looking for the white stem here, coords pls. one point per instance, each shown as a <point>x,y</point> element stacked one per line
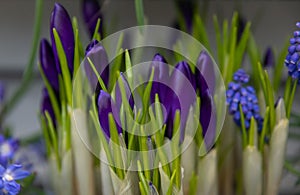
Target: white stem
<point>83,160</point>
<point>208,174</point>
<point>252,171</point>
<point>276,156</point>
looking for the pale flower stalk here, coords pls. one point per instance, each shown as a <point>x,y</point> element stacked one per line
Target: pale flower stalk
<point>277,150</point>
<point>252,171</point>
<point>62,178</point>
<point>208,174</point>
<point>82,157</point>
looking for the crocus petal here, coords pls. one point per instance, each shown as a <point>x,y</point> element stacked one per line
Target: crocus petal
<point>179,78</point>
<point>48,64</point>
<point>97,54</point>
<point>60,20</point>
<point>2,92</point>
<point>269,59</point>
<point>160,82</point>
<point>91,13</point>
<point>205,66</point>
<point>47,106</point>
<point>105,104</point>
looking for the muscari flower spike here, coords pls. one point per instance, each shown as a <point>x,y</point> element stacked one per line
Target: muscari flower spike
<point>292,61</point>
<point>240,93</point>
<point>8,148</point>
<point>8,177</point>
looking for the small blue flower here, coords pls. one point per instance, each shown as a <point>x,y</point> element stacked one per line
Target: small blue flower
<point>8,175</point>
<point>8,148</point>
<point>292,61</point>
<point>239,93</point>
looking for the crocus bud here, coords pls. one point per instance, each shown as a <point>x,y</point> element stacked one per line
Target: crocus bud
<point>105,107</point>
<point>97,55</point>
<point>48,64</point>
<point>47,106</point>
<point>60,20</point>
<point>205,66</point>
<point>91,13</point>
<point>269,59</point>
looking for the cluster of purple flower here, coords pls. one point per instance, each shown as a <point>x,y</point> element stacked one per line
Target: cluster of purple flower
<point>239,93</point>
<point>292,59</point>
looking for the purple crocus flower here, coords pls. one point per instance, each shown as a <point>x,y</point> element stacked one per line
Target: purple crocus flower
<point>9,175</point>
<point>8,148</point>
<point>97,54</point>
<point>47,106</point>
<point>118,95</point>
<point>60,20</point>
<point>91,13</point>
<point>106,106</point>
<point>2,92</point>
<point>178,89</point>
<point>48,64</point>
<point>269,58</point>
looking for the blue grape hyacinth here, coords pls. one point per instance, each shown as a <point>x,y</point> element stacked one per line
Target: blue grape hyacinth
<point>240,93</point>
<point>292,61</point>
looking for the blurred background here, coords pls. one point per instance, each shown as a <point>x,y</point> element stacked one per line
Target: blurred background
<point>272,23</point>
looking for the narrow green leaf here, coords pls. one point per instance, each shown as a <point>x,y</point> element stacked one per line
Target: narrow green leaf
<point>291,99</point>
<point>96,35</point>
<point>114,136</point>
<point>279,66</point>
<point>264,129</point>
<point>244,132</point>
<point>97,74</point>
<point>139,10</point>
<point>142,177</point>
<point>251,132</point>
<point>193,184</point>
<point>64,67</point>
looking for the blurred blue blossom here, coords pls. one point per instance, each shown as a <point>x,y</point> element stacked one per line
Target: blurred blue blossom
<point>239,93</point>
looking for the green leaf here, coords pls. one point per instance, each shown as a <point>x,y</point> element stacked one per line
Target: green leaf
<point>240,50</point>
<point>97,74</point>
<point>244,132</point>
<point>52,96</point>
<point>114,136</point>
<point>96,35</point>
<point>252,132</point>
<point>193,184</point>
<point>64,66</point>
<point>279,66</point>
<point>264,130</point>
<point>139,10</point>
<point>145,185</point>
